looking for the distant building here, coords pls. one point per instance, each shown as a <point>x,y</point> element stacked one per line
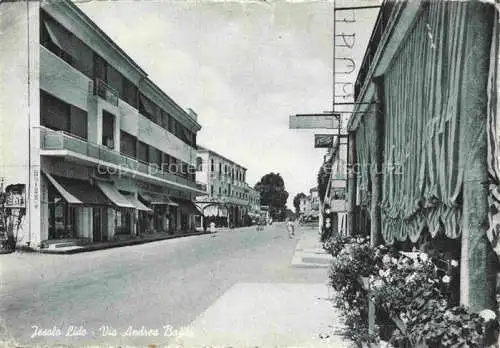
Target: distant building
<point>227,197</point>
<point>309,205</point>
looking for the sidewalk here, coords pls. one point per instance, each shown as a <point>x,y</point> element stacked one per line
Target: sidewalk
<point>73,249</point>
<point>267,315</point>
<point>309,252</point>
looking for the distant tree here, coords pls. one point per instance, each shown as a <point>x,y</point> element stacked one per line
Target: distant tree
<point>273,194</point>
<point>296,201</point>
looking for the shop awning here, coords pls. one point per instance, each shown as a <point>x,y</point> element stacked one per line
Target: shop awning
<point>157,199</point>
<point>114,195</point>
<point>68,197</point>
<point>188,206</point>
<point>75,191</point>
<point>137,203</point>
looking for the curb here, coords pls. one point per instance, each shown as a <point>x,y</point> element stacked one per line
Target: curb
<point>111,245</point>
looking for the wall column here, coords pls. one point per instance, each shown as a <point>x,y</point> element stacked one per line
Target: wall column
<point>376,166</point>
<point>351,183</point>
<point>478,276</point>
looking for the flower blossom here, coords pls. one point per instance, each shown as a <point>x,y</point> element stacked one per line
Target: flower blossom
<point>446,279</point>
<point>424,257</point>
<point>487,315</point>
<point>454,263</point>
<point>386,259</point>
<point>377,284</point>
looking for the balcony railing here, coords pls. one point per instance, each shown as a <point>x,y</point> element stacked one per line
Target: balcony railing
<point>378,30</point>
<point>106,92</point>
<point>59,140</point>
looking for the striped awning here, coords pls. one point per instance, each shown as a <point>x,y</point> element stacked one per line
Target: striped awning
<point>68,197</point>
<point>157,199</point>
<point>137,203</point>
<point>114,195</point>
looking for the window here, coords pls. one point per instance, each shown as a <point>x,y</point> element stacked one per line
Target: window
<point>128,144</point>
<point>220,191</point>
<point>78,122</point>
<point>108,129</point>
<point>166,163</point>
<point>147,107</point>
<point>212,165</point>
<point>199,164</point>
<point>184,172</point>
<point>129,92</point>
<point>54,113</point>
<point>143,152</point>
<point>155,156</point>
<point>220,170</point>
<point>174,166</point>
<point>114,79</point>
<point>211,190</point>
<point>171,124</point>
<point>100,67</point>
<point>164,119</point>
<point>58,115</point>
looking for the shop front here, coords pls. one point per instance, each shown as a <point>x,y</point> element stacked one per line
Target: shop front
<point>75,209</point>
<point>187,211</point>
<point>163,214</point>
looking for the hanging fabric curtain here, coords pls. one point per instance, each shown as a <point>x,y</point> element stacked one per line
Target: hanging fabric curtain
<point>423,153</point>
<point>494,136</point>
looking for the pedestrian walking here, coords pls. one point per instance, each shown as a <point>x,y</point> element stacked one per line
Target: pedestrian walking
<point>212,227</point>
<point>290,228</point>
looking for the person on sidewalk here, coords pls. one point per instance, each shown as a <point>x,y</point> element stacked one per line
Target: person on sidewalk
<point>290,228</point>
<point>205,224</point>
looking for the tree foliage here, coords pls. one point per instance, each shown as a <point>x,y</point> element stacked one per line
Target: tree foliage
<point>296,201</point>
<point>273,194</point>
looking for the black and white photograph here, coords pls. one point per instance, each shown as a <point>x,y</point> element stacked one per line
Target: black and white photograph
<point>250,173</point>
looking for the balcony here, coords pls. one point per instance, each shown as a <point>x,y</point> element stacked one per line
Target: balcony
<point>59,143</point>
<point>106,92</point>
<point>383,18</point>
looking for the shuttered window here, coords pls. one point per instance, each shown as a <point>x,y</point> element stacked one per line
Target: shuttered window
<point>128,144</point>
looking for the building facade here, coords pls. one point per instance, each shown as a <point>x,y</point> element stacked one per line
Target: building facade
<point>102,150</point>
<point>227,198</point>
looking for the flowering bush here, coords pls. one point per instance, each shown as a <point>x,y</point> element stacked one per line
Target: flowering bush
<point>352,261</point>
<point>335,244</point>
<point>409,287</point>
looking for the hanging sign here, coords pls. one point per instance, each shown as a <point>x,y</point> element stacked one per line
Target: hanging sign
<point>323,140</point>
<point>314,121</point>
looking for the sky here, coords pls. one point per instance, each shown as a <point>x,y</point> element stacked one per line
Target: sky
<point>244,67</point>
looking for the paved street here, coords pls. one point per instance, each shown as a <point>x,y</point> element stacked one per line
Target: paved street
<point>165,286</point>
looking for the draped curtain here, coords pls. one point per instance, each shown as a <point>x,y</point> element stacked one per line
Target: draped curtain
<point>494,135</point>
<point>423,153</point>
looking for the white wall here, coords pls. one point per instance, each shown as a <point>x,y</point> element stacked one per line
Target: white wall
<point>19,107</point>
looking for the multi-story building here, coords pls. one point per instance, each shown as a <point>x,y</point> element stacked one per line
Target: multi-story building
<point>227,197</point>
<point>305,206</point>
<point>102,150</point>
<point>309,205</point>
